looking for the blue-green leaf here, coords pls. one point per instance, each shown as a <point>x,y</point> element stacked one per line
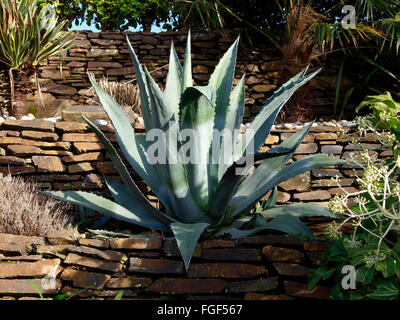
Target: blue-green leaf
<point>186,236</point>
<point>289,224</point>
<point>271,201</point>
<point>127,179</point>
<point>222,80</point>
<point>230,182</point>
<point>265,172</point>
<point>187,64</point>
<point>230,133</point>
<point>126,138</point>
<point>105,206</point>
<point>141,79</point>
<point>197,115</point>
<point>172,173</point>
<point>174,86</point>
<point>299,210</point>
<point>123,196</point>
<point>161,110</point>
<point>259,129</point>
<point>285,223</point>
<point>261,186</point>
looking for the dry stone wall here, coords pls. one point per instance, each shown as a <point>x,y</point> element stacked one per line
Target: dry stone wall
<point>264,267</point>
<point>106,54</point>
<point>67,155</point>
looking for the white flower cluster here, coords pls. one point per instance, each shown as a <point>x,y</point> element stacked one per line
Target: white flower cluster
<point>376,207</point>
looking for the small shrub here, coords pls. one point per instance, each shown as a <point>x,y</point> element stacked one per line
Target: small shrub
<point>124,93</point>
<point>24,211</point>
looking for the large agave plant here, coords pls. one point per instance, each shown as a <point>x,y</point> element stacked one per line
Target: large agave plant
<point>200,197</point>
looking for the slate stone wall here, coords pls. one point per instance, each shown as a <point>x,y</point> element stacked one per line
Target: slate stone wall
<point>67,155</point>
<point>106,54</point>
<point>264,267</point>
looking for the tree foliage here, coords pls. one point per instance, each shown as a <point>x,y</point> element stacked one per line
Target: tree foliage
<point>112,14</point>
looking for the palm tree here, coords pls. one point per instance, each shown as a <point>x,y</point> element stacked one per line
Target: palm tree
<point>308,34</point>
<point>28,36</point>
<point>304,30</point>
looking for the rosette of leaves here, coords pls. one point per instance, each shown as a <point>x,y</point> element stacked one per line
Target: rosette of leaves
<point>202,198</point>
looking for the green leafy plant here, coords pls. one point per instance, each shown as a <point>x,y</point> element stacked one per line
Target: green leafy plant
<point>62,296</point>
<point>119,295</point>
<point>201,197</point>
<point>384,122</point>
<point>374,246</point>
<point>377,270</point>
<point>28,36</point>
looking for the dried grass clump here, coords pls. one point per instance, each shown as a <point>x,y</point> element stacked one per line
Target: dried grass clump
<point>24,211</point>
<point>124,93</point>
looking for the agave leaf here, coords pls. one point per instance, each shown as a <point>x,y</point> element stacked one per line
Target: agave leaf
<point>230,182</point>
<point>259,129</point>
<point>191,94</point>
<point>186,236</point>
<point>222,80</point>
<point>161,190</point>
<point>172,173</point>
<point>267,169</point>
<point>248,194</point>
<point>126,177</point>
<point>173,87</point>
<point>289,224</point>
<point>122,195</point>
<point>299,210</point>
<point>237,233</point>
<point>141,80</point>
<point>271,201</point>
<point>236,106</point>
<point>231,131</point>
<point>197,115</point>
<point>107,207</point>
<point>126,138</point>
<point>187,64</point>
<point>160,106</point>
<point>285,223</point>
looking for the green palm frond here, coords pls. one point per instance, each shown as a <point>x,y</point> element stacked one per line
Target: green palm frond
<point>329,36</point>
<point>391,28</point>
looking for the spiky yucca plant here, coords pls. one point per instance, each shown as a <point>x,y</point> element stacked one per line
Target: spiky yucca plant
<point>202,198</point>
<point>28,36</point>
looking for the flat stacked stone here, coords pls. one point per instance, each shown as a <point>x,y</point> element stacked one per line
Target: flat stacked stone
<point>263,267</point>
